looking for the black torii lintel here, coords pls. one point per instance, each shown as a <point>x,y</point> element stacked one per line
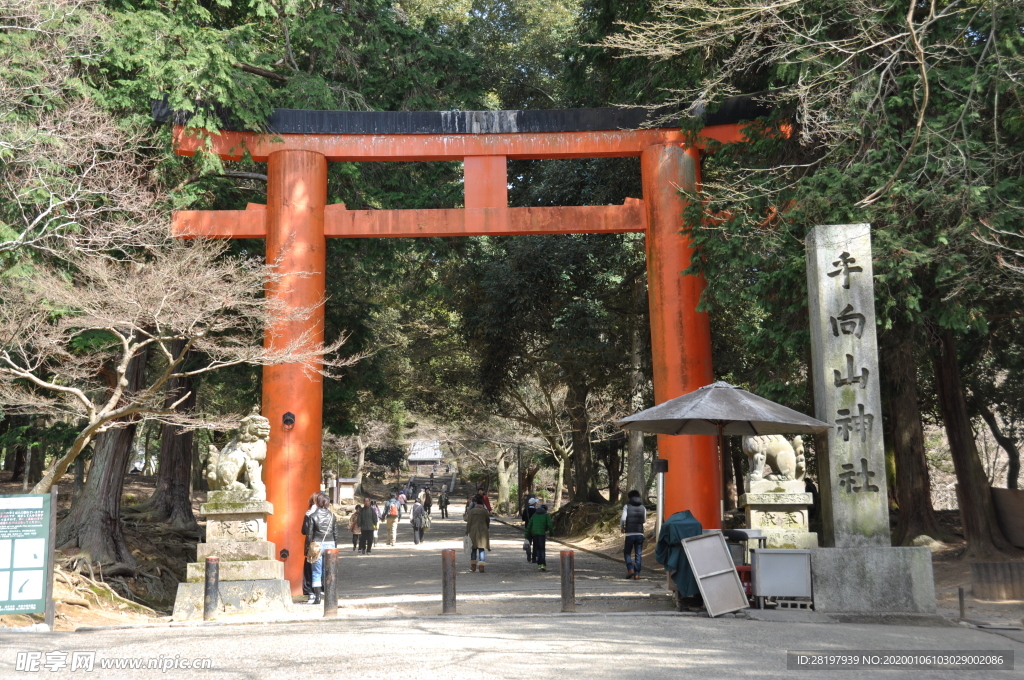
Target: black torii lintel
<point>303,121</point>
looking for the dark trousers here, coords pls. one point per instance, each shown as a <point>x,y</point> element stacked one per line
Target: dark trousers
<point>633,550</point>
<point>307,577</point>
<point>417,535</point>
<point>444,512</point>
<point>426,509</point>
<point>355,542</point>
<point>539,552</point>
<point>366,541</point>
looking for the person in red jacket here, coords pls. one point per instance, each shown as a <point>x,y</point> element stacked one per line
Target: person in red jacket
<point>487,501</point>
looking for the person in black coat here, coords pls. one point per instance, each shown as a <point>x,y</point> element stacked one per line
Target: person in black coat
<point>529,509</point>
<point>321,527</point>
<point>307,568</point>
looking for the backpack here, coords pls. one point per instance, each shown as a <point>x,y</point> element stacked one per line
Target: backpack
<point>392,509</point>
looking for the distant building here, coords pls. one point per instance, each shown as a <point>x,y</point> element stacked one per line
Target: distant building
<point>425,456</point>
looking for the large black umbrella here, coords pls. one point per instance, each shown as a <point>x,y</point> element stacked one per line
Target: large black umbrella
<point>722,409</point>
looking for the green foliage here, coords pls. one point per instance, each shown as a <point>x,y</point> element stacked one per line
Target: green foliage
<point>391,457</point>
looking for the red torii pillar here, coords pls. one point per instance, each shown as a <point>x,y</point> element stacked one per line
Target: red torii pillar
<point>296,198</point>
<point>296,221</point>
<point>680,335</point>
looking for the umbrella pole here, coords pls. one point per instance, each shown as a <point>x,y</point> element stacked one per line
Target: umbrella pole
<point>721,458</point>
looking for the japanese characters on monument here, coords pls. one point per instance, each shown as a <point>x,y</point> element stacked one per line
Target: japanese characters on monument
<point>844,358</point>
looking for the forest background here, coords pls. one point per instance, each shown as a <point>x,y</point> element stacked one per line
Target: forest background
<point>515,353</point>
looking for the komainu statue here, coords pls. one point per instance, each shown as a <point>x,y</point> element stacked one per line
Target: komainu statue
<point>246,451</point>
<point>785,458</point>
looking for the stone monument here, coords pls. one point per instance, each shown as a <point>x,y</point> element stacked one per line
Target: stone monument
<point>860,573</point>
<point>251,578</point>
<point>776,503</point>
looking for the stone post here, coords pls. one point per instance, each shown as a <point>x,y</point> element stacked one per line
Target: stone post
<point>844,357</point>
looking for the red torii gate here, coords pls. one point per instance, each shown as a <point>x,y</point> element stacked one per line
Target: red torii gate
<point>296,220</point>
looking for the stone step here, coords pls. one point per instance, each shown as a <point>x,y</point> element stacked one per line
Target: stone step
<point>248,570</point>
<point>233,551</point>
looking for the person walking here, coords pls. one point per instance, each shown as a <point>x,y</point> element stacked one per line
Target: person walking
<point>416,519</point>
<point>537,530</point>
<point>380,513</point>
<point>321,529</point>
<point>528,511</point>
<point>307,568</point>
<point>427,501</point>
<point>353,526</point>
<point>442,503</point>
<point>421,495</point>
<point>403,498</point>
<point>484,500</point>
<point>634,514</point>
<point>392,516</point>
<point>367,525</point>
<point>478,522</point>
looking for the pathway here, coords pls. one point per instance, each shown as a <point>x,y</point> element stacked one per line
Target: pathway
<point>406,578</point>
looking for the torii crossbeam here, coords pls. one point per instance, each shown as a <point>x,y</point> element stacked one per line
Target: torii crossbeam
<point>296,220</point>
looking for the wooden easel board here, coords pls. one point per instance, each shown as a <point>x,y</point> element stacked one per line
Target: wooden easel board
<point>715,572</point>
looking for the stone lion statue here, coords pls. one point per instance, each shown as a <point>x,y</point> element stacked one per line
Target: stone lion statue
<point>246,451</point>
<point>785,458</point>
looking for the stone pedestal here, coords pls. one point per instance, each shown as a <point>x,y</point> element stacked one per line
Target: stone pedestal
<point>779,510</point>
<point>873,580</point>
<point>251,578</point>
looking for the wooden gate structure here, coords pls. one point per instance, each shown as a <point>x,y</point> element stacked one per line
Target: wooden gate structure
<point>296,220</point>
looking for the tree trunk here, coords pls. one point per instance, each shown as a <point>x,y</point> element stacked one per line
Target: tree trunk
<point>8,450</point>
<point>36,465</point>
<point>736,455</point>
<point>728,481</point>
<point>198,467</point>
<point>916,517</point>
<point>29,456</point>
<point>19,462</point>
<point>360,463</point>
<point>635,457</point>
<point>558,484</point>
<point>94,525</point>
<point>651,476</point>
<point>79,485</point>
<point>1010,446</point>
<point>584,472</point>
<point>985,541</point>
<point>147,457</point>
<point>171,502</point>
<point>613,465</point>
<point>504,479</point>
<point>530,478</point>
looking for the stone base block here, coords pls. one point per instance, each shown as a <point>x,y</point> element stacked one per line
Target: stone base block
<point>218,508</point>
<point>251,570</point>
<point>239,526</point>
<point>234,496</point>
<point>768,486</point>
<point>233,551</point>
<point>235,597</point>
<point>789,540</point>
<point>775,498</point>
<point>788,518</point>
<point>873,580</point>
